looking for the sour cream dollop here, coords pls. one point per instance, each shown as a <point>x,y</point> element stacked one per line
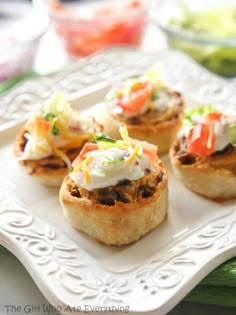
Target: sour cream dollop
<point>109,167</point>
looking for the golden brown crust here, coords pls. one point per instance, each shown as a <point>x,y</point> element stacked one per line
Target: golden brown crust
<point>211,176</point>
<point>50,170</point>
<point>118,224</point>
<point>160,130</point>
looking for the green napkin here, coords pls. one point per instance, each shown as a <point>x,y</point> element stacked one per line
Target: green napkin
<point>218,288</point>
<point>4,250</point>
<point>206,294</point>
<point>6,85</point>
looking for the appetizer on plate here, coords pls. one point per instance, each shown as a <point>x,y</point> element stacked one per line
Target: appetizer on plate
<point>51,140</point>
<point>117,191</point>
<point>204,155</point>
<point>150,109</point>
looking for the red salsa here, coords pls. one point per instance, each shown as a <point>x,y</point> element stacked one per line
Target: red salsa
<point>102,25</point>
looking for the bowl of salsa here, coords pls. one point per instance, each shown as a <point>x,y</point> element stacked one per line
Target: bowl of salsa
<point>85,27</point>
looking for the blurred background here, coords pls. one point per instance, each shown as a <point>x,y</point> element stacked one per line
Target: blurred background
<point>41,36</point>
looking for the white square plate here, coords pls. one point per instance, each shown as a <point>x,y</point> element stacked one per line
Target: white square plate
<point>76,273</point>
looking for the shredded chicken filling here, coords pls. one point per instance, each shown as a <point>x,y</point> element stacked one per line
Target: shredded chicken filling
<point>224,159</point>
<point>125,191</point>
<point>52,162</point>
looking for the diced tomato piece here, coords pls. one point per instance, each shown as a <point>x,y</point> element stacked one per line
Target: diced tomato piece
<point>201,140</point>
<point>42,125</point>
<point>88,147</point>
<point>138,98</point>
<point>56,5</point>
<point>216,116</point>
<point>149,149</point>
<point>135,4</point>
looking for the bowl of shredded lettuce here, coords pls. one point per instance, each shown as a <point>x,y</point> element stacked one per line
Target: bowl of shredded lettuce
<point>204,29</point>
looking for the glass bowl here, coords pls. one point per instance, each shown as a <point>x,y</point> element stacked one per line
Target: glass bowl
<point>205,30</point>
<point>85,27</point>
<point>21,30</point>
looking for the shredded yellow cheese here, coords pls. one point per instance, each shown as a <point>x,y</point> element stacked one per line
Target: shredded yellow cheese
<point>133,155</point>
<point>37,128</point>
<point>75,140</point>
<point>86,175</point>
<point>83,166</point>
<point>59,152</point>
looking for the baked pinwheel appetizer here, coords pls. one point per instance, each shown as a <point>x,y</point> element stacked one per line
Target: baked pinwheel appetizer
<point>51,140</point>
<point>117,191</point>
<point>204,155</point>
<point>150,109</point>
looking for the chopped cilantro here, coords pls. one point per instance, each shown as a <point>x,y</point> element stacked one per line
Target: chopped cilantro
<point>154,95</point>
<point>55,130</point>
<point>233,133</point>
<point>114,161</point>
<point>201,110</point>
<point>49,116</point>
<point>100,136</point>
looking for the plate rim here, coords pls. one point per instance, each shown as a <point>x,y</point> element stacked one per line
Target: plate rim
<point>170,283</point>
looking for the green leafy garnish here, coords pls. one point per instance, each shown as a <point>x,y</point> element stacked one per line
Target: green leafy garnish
<point>55,130</point>
<point>154,95</point>
<point>49,116</point>
<point>201,110</point>
<point>233,134</point>
<point>218,21</point>
<point>101,136</point>
<point>114,161</point>
<point>104,141</point>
